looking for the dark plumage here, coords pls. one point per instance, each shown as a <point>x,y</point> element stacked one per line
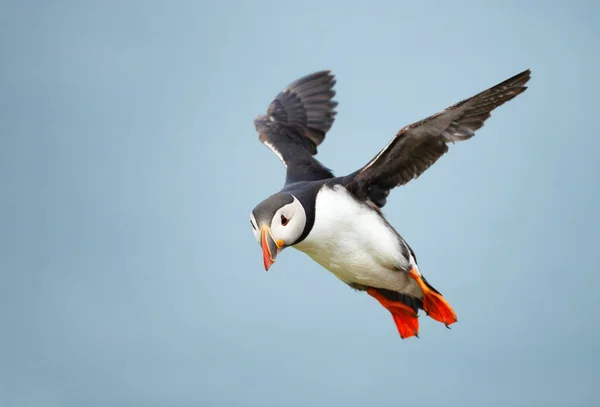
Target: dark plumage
<point>300,115</point>
<point>296,123</point>
<point>418,146</point>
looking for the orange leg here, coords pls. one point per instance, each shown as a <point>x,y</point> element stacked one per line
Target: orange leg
<point>433,303</point>
<point>404,316</point>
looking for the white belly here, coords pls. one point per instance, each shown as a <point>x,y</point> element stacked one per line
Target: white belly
<point>353,242</point>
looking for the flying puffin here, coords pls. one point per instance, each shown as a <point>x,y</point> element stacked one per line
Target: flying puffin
<point>337,221</point>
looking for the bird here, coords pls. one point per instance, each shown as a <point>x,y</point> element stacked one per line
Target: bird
<point>338,220</point>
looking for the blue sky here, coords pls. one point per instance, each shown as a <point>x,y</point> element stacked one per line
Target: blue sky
<point>129,165</point>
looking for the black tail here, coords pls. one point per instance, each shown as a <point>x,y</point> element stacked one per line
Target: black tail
<point>413,302</point>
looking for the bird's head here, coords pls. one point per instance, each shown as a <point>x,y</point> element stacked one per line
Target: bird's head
<point>278,222</point>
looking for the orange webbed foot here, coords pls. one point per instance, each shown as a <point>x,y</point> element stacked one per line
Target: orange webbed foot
<point>404,316</point>
<point>434,303</point>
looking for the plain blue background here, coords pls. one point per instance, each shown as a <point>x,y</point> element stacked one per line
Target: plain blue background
<point>129,165</point>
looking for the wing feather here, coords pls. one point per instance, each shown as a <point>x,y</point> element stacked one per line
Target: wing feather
<point>296,123</point>
<point>418,146</point>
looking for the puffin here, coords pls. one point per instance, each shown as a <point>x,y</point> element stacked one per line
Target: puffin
<point>338,220</point>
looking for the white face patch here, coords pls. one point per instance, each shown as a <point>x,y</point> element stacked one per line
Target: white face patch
<point>288,222</point>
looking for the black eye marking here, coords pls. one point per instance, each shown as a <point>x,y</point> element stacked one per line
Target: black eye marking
<point>253,227</point>
<point>284,220</point>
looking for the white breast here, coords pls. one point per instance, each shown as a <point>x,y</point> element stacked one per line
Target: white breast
<point>352,241</point>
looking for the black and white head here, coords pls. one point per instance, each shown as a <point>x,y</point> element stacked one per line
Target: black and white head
<point>278,222</point>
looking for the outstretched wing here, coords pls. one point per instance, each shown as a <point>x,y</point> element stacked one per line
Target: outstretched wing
<point>296,123</point>
<point>418,146</point>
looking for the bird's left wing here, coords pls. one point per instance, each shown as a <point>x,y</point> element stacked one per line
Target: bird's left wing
<point>418,146</point>
<point>296,123</point>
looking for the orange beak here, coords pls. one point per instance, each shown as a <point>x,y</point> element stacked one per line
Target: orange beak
<point>270,247</point>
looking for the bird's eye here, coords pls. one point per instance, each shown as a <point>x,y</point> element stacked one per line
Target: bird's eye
<point>253,227</point>
<point>284,220</point>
